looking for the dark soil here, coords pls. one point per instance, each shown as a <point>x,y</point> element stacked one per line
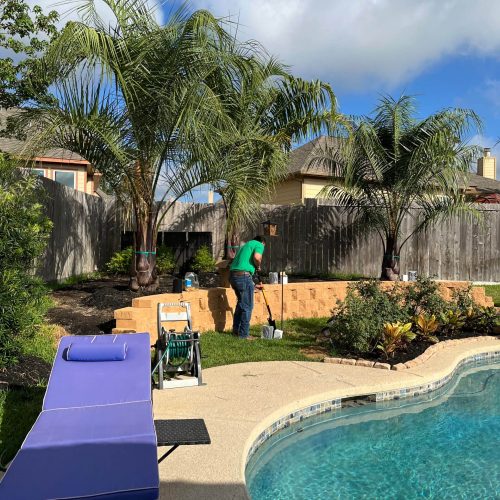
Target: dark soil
<point>29,371</point>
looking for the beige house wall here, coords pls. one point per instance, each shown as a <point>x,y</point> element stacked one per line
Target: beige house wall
<point>312,187</point>
<point>288,193</point>
<point>83,182</point>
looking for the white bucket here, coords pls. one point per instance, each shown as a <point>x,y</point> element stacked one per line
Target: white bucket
<point>278,334</point>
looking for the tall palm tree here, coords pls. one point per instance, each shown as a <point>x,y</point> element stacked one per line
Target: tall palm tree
<point>270,110</point>
<point>393,163</point>
<point>149,105</point>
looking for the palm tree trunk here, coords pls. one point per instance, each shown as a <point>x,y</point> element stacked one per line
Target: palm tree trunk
<point>144,273</point>
<point>390,261</point>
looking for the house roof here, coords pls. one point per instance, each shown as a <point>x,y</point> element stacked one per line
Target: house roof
<point>483,184</point>
<point>15,146</point>
<point>301,157</point>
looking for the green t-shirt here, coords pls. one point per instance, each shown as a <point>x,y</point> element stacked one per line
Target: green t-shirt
<point>244,258</point>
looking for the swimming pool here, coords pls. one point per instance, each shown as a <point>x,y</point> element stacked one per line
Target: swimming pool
<point>445,444</point>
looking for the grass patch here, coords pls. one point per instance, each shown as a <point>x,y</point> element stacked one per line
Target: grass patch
<point>20,407</point>
<point>224,349</point>
<point>43,345</point>
<point>493,291</point>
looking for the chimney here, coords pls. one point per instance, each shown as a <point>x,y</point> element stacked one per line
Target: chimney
<point>487,165</point>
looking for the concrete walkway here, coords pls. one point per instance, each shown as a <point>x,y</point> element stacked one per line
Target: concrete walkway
<point>240,401</point>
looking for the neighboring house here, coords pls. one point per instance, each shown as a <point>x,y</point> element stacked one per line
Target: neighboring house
<point>306,180</point>
<point>59,165</point>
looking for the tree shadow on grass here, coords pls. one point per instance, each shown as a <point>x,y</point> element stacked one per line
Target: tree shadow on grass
<point>19,408</point>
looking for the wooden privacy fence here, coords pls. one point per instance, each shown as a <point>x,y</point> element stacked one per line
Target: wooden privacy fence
<point>85,234</point>
<point>319,237</point>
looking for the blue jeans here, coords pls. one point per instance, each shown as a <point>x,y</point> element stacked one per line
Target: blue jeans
<point>244,289</point>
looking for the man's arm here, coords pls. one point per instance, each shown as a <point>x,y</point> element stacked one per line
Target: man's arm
<point>257,258</point>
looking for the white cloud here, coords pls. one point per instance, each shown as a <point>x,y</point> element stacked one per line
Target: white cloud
<point>365,43</point>
<point>68,10</point>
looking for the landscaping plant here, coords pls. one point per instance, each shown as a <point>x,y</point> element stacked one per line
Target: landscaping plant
<point>203,261</point>
<point>394,163</point>
<point>121,261</point>
<point>427,326</point>
<point>24,230</point>
<point>395,335</point>
<point>358,322</point>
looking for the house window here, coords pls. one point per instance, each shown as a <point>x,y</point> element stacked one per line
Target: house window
<point>66,178</point>
<point>38,171</point>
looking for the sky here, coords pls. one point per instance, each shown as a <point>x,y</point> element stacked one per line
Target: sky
<point>444,52</point>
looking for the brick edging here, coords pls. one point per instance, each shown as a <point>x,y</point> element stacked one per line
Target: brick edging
<point>430,351</point>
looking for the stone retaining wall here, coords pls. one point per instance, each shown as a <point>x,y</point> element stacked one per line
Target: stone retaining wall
<point>212,309</point>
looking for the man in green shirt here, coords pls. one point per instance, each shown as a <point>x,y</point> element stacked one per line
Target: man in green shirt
<point>246,262</point>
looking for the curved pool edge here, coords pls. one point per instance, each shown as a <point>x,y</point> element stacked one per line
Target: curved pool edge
<point>333,401</point>
<point>239,402</point>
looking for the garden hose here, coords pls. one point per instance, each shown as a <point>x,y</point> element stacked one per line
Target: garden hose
<point>177,347</point>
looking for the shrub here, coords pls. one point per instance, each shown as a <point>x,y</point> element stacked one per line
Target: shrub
<point>203,260</point>
<point>423,297</point>
<point>165,260</point>
<point>120,262</point>
<point>358,323</point>
<point>395,336</point>
<point>24,230</point>
<point>427,325</point>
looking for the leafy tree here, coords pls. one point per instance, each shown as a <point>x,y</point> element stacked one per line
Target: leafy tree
<point>24,230</point>
<point>393,162</point>
<point>25,34</point>
<point>152,106</point>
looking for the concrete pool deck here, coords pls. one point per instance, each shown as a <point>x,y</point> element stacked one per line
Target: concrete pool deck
<point>239,401</point>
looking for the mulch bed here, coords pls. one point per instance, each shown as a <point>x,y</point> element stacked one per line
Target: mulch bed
<point>30,371</point>
<point>412,351</point>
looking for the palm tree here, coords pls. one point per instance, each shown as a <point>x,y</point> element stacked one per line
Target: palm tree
<point>270,110</point>
<point>393,163</point>
<point>152,105</point>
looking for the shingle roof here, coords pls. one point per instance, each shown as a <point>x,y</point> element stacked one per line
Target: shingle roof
<point>300,165</point>
<point>15,147</point>
<point>300,158</point>
<point>483,184</point>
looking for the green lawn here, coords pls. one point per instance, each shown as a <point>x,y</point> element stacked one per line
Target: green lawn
<point>494,292</point>
<point>19,408</point>
<point>225,349</point>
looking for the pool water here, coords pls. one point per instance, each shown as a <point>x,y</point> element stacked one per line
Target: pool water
<point>440,446</point>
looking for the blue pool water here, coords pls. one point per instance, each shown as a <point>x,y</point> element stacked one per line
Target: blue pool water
<point>441,446</point>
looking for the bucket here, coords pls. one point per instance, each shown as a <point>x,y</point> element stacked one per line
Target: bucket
<point>273,278</point>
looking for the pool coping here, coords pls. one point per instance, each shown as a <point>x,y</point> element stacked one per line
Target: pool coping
<point>243,405</point>
<point>327,406</point>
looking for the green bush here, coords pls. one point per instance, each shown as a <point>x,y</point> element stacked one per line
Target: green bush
<point>120,262</point>
<point>423,297</point>
<point>165,261</point>
<point>358,322</point>
<point>24,230</point>
<point>203,260</point>
<point>357,325</point>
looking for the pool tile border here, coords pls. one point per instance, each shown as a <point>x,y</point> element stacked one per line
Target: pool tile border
<point>331,405</point>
